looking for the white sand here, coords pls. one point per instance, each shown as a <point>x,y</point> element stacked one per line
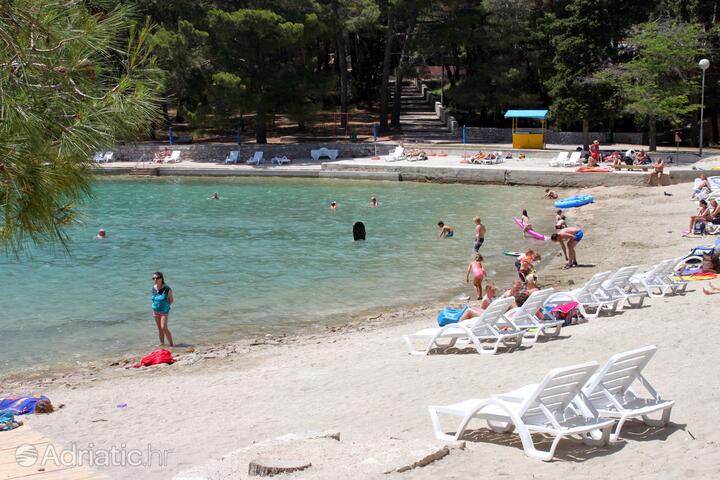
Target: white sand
<point>363,384</point>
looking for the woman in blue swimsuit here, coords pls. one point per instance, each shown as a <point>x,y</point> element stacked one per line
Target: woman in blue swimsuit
<point>162,298</point>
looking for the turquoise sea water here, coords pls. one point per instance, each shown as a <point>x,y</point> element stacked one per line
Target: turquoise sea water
<point>270,255</point>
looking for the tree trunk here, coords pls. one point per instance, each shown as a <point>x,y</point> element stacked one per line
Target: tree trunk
<point>397,101</point>
<point>449,75</point>
<point>387,58</point>
<point>586,133</point>
<point>260,125</point>
<point>652,135</point>
<point>342,64</point>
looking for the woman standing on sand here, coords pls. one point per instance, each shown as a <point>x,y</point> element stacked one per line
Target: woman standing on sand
<point>162,298</point>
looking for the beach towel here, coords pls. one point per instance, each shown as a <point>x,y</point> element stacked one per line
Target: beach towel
<point>19,405</point>
<point>567,311</point>
<point>450,315</point>
<point>155,358</point>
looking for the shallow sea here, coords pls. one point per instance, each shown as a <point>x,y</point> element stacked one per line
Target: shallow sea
<point>269,255</point>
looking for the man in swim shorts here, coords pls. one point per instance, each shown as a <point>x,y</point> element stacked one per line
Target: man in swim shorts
<point>479,234</point>
<point>446,231</point>
<point>571,235</point>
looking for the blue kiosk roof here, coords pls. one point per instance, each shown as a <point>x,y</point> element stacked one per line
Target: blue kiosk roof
<point>539,114</point>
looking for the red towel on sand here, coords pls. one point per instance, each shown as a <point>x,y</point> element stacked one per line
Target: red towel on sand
<point>155,358</point>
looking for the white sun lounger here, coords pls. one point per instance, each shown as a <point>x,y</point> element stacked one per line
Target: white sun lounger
<point>108,156</point>
<point>493,161</point>
<point>586,297</point>
<point>611,392</point>
<point>573,161</point>
<point>653,280</point>
<point>546,408</point>
<point>482,332</point>
<point>232,157</point>
<point>525,317</point>
<point>280,160</point>
<point>256,159</point>
<point>618,287</point>
<point>99,157</point>
<point>559,160</point>
<point>324,152</point>
<point>397,154</point>
<point>174,157</point>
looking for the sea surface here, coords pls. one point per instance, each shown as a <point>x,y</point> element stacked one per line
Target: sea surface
<point>269,256</point>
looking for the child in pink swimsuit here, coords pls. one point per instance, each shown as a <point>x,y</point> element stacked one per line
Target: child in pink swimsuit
<point>478,271</point>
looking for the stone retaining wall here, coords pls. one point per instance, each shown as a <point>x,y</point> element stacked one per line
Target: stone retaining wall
<point>504,135</point>
<point>217,152</point>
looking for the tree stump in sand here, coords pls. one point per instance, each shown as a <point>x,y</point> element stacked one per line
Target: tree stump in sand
<point>267,467</point>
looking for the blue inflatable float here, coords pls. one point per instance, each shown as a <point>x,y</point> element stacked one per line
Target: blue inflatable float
<point>572,202</point>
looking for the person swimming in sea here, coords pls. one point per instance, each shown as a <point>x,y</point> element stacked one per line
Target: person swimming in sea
<point>373,202</point>
<point>215,196</point>
<point>446,231</point>
<point>478,271</point>
<point>101,235</point>
<point>333,205</point>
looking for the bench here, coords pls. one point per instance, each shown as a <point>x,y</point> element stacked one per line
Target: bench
<point>323,152</point>
<point>182,139</point>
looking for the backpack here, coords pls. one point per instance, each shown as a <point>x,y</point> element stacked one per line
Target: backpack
<point>568,312</point>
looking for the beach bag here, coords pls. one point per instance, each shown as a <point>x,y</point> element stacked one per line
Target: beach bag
<point>699,228</point>
<point>155,358</point>
<point>568,312</point>
<point>450,315</point>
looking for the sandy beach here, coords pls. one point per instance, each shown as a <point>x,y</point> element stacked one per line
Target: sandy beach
<point>234,402</point>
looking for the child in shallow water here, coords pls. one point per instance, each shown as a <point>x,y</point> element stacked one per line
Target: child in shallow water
<point>478,271</point>
<point>526,221</point>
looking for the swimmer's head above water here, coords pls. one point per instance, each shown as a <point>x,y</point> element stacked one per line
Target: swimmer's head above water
<point>333,204</point>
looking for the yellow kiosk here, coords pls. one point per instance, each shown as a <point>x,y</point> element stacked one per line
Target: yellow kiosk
<point>524,137</point>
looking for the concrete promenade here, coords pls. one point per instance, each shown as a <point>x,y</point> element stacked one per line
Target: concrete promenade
<point>447,167</point>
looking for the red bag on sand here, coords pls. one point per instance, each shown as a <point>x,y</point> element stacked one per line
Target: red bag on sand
<point>155,358</point>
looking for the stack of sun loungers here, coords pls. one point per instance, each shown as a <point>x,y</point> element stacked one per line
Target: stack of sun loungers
<point>582,401</point>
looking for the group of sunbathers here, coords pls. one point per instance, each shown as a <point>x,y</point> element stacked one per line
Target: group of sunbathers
<point>481,157</point>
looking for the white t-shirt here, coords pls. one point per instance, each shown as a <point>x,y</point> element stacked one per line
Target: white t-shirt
<point>630,153</point>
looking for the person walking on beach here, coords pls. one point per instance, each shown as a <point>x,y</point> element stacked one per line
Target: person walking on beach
<point>478,271</point>
<point>162,298</point>
<point>657,172</point>
<point>571,236</point>
<point>446,231</point>
<point>479,234</point>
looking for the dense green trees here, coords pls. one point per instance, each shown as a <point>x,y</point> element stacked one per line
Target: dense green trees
<point>261,57</point>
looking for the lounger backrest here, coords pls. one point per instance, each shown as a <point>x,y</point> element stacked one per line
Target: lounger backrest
<point>559,387</point>
<point>99,156</point>
<point>533,303</point>
<point>561,157</point>
<point>619,373</point>
<point>492,314</point>
<point>575,157</point>
<point>258,156</point>
<point>621,278</point>
<point>233,156</point>
<point>109,156</point>
<point>175,156</point>
<point>593,284</point>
